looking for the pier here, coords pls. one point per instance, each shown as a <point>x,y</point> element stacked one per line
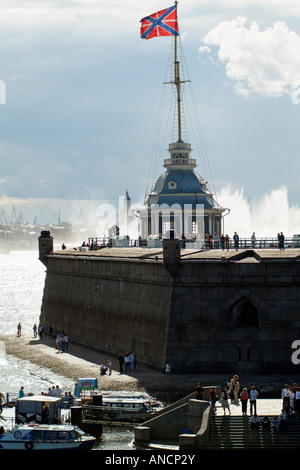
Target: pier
<point>191,424</point>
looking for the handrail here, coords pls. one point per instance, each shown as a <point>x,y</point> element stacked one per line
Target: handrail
<point>97,243</point>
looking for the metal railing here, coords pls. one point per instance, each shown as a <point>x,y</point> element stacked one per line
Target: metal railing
<point>9,399</point>
<point>244,243</point>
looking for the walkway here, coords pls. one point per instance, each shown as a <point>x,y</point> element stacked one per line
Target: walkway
<point>265,407</point>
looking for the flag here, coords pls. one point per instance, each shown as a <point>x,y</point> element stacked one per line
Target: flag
<point>162,23</point>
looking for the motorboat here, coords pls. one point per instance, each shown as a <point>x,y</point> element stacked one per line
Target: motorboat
<point>116,406</point>
<point>113,405</point>
<point>34,436</point>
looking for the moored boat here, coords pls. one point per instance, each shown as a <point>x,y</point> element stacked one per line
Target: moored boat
<point>45,437</point>
<point>118,406</point>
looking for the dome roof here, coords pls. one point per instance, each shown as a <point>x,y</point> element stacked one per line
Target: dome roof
<point>182,186</point>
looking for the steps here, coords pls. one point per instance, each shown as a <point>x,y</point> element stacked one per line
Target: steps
<point>233,432</point>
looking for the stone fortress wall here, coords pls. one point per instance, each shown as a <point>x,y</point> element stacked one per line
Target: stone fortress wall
<point>202,311</point>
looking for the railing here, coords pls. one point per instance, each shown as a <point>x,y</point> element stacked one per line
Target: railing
<point>260,243</point>
<point>9,399</point>
<point>244,243</point>
<point>180,161</point>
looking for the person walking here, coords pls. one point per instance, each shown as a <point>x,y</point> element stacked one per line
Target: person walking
<point>224,401</point>
<point>167,370</point>
<point>213,398</point>
<point>121,362</point>
<point>109,365</point>
<point>253,396</point>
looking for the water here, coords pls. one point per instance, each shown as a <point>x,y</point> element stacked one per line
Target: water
<point>22,278</point>
<point>266,217</point>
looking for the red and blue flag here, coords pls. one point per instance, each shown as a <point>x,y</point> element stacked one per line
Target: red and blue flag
<point>162,23</point>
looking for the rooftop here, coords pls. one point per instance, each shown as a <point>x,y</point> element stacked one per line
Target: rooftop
<point>156,254</point>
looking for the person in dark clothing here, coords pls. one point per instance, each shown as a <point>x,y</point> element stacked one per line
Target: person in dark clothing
<point>199,392</point>
<point>121,362</point>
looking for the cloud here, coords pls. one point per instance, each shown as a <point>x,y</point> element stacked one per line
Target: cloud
<point>261,62</point>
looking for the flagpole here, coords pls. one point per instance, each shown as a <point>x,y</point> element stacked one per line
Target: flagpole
<point>177,83</point>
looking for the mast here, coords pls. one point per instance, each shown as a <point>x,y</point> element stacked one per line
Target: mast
<point>177,82</point>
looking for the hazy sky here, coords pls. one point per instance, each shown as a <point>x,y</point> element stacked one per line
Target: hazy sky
<point>80,96</point>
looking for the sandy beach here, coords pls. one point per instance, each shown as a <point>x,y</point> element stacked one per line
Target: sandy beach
<point>79,362</point>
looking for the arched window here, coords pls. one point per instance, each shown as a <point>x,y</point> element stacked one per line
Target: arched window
<point>245,314</point>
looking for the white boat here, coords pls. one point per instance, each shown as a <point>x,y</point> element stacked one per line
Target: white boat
<point>140,402</point>
<point>45,437</point>
<point>116,406</point>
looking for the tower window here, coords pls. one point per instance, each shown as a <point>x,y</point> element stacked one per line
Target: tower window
<point>172,184</point>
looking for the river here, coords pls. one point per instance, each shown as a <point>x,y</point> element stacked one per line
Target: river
<point>22,278</point>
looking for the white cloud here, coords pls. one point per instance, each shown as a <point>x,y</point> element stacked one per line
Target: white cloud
<point>263,62</point>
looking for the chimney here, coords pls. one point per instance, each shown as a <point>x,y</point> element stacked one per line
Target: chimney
<point>171,252</point>
<point>45,246</point>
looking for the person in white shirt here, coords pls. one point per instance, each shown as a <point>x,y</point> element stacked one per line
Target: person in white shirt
<point>286,392</point>
<point>253,396</point>
<point>297,401</point>
<point>254,421</point>
<point>127,363</point>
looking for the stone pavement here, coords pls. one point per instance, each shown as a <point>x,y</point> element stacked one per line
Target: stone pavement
<point>264,407</point>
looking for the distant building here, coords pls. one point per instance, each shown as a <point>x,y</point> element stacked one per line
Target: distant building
<point>180,199</point>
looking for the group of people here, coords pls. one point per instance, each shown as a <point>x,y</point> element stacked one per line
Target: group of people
<point>39,330</point>
<point>126,364</point>
<point>106,367</point>
<point>232,395</point>
<point>54,391</point>
<point>61,342</point>
<point>290,395</point>
<point>276,423</point>
<point>223,241</point>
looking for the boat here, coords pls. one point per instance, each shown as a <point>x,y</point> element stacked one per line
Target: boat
<point>116,406</point>
<point>34,436</point>
<point>113,405</point>
<point>38,408</point>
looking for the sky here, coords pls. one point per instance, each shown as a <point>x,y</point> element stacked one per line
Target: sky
<point>81,94</point>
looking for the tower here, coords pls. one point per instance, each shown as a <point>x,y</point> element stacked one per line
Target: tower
<point>45,246</point>
<point>180,198</point>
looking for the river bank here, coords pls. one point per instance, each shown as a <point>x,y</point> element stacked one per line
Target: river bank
<point>78,362</point>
